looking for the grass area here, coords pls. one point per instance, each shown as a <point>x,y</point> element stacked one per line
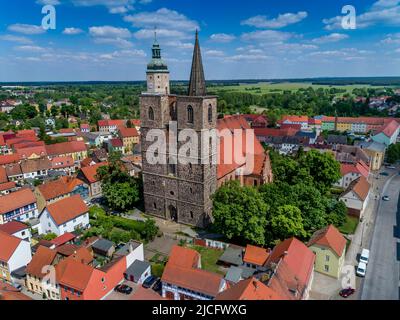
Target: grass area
<point>350,226</point>
<point>158,262</point>
<point>268,87</point>
<point>209,258</point>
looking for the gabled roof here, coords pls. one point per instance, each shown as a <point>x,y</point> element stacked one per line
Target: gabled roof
<point>28,166</point>
<point>390,128</point>
<point>13,227</point>
<point>9,293</point>
<point>329,237</point>
<point>7,185</point>
<point>181,270</point>
<point>66,237</point>
<point>90,173</point>
<point>16,200</point>
<point>43,257</point>
<point>67,209</point>
<point>53,189</point>
<point>76,275</point>
<point>297,256</point>
<point>111,123</point>
<point>30,151</point>
<point>65,148</point>
<point>360,187</point>
<point>8,246</point>
<point>250,289</point>
<point>3,175</point>
<point>116,143</point>
<point>9,158</point>
<point>128,132</point>
<point>256,255</point>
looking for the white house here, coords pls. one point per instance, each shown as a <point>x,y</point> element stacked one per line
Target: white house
<point>356,196</point>
<point>14,254</point>
<point>17,229</point>
<point>351,172</point>
<point>19,205</point>
<point>388,134</point>
<point>66,215</point>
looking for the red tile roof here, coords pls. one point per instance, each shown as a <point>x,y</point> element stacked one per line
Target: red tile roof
<point>111,123</point>
<point>7,186</point>
<point>62,162</point>
<point>53,189</point>
<point>128,132</point>
<point>329,237</point>
<point>16,200</point>
<point>297,256</point>
<point>76,275</point>
<point>256,255</point>
<point>143,294</point>
<point>250,289</point>
<point>63,239</point>
<point>3,175</point>
<point>9,158</point>
<point>43,257</point>
<point>8,246</point>
<point>13,227</point>
<point>359,168</point>
<point>294,119</point>
<point>67,209</point>
<point>390,129</point>
<point>65,148</point>
<point>116,143</point>
<point>9,293</point>
<point>360,187</point>
<point>181,271</point>
<point>91,172</point>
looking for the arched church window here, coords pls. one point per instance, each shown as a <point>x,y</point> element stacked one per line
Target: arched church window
<point>190,114</point>
<point>151,113</point>
<point>210,114</point>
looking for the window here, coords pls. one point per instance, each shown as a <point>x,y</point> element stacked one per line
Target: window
<point>151,113</point>
<point>191,214</point>
<point>210,113</point>
<point>155,205</point>
<point>190,114</point>
<point>326,268</point>
<point>327,258</point>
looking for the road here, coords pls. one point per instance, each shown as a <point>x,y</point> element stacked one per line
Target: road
<point>382,279</point>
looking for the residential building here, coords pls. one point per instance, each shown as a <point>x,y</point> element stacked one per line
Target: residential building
<point>388,134</point>
<point>7,188</point>
<point>138,272</point>
<point>183,278</point>
<point>116,145</point>
<point>103,247</point>
<point>255,257</point>
<point>130,137</point>
<point>357,196</point>
<point>66,215</point>
<point>329,247</point>
<point>34,169</point>
<point>250,290</point>
<point>376,151</point>
<point>19,205</point>
<point>301,120</point>
<point>14,254</point>
<point>89,176</point>
<point>110,126</point>
<point>75,149</point>
<point>63,164</point>
<point>17,229</point>
<point>50,192</point>
<point>351,172</point>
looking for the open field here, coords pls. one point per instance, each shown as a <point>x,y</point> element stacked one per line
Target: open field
<point>268,87</point>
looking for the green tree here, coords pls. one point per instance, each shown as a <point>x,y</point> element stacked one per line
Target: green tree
<point>287,222</point>
<point>239,212</point>
<point>393,153</point>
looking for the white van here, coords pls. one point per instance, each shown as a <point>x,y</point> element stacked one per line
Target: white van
<point>364,256</point>
<point>361,269</point>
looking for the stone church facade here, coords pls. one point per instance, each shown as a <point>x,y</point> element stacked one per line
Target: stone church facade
<point>179,191</point>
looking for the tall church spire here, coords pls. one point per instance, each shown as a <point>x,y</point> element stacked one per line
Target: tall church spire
<point>197,85</point>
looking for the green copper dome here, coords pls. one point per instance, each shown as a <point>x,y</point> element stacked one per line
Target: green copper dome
<point>157,63</point>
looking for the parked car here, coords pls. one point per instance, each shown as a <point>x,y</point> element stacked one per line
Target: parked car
<point>345,293</point>
<point>361,269</point>
<point>123,288</point>
<point>364,256</point>
<point>149,282</point>
<point>384,174</point>
<point>157,286</point>
<point>386,198</point>
<point>391,167</point>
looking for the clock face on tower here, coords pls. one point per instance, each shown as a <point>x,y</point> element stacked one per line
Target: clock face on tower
<point>151,86</point>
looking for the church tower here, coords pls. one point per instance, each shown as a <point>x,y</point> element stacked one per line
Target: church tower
<point>157,71</point>
<point>179,191</point>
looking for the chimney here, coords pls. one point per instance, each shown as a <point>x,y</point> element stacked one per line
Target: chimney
<point>255,284</point>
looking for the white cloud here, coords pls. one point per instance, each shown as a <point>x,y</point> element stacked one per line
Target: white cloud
<point>45,2</point>
<point>266,36</point>
<point>113,6</point>
<point>333,37</point>
<point>385,12</point>
<point>222,37</point>
<point>250,58</point>
<point>26,28</point>
<point>72,31</point>
<point>118,42</point>
<point>110,32</point>
<point>392,39</point>
<point>30,48</point>
<point>281,21</point>
<point>214,53</point>
<point>18,39</point>
<point>134,53</point>
<point>161,33</point>
<point>163,19</point>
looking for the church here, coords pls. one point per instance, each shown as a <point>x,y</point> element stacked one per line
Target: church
<point>181,190</point>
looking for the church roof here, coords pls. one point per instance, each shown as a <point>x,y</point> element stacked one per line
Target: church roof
<point>197,84</point>
<point>157,64</point>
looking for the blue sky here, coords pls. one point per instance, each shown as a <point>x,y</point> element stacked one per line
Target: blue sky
<point>253,39</point>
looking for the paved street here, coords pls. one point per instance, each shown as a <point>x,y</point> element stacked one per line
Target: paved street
<point>382,279</point>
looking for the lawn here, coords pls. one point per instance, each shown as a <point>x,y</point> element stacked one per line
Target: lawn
<point>209,258</point>
<point>350,226</point>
